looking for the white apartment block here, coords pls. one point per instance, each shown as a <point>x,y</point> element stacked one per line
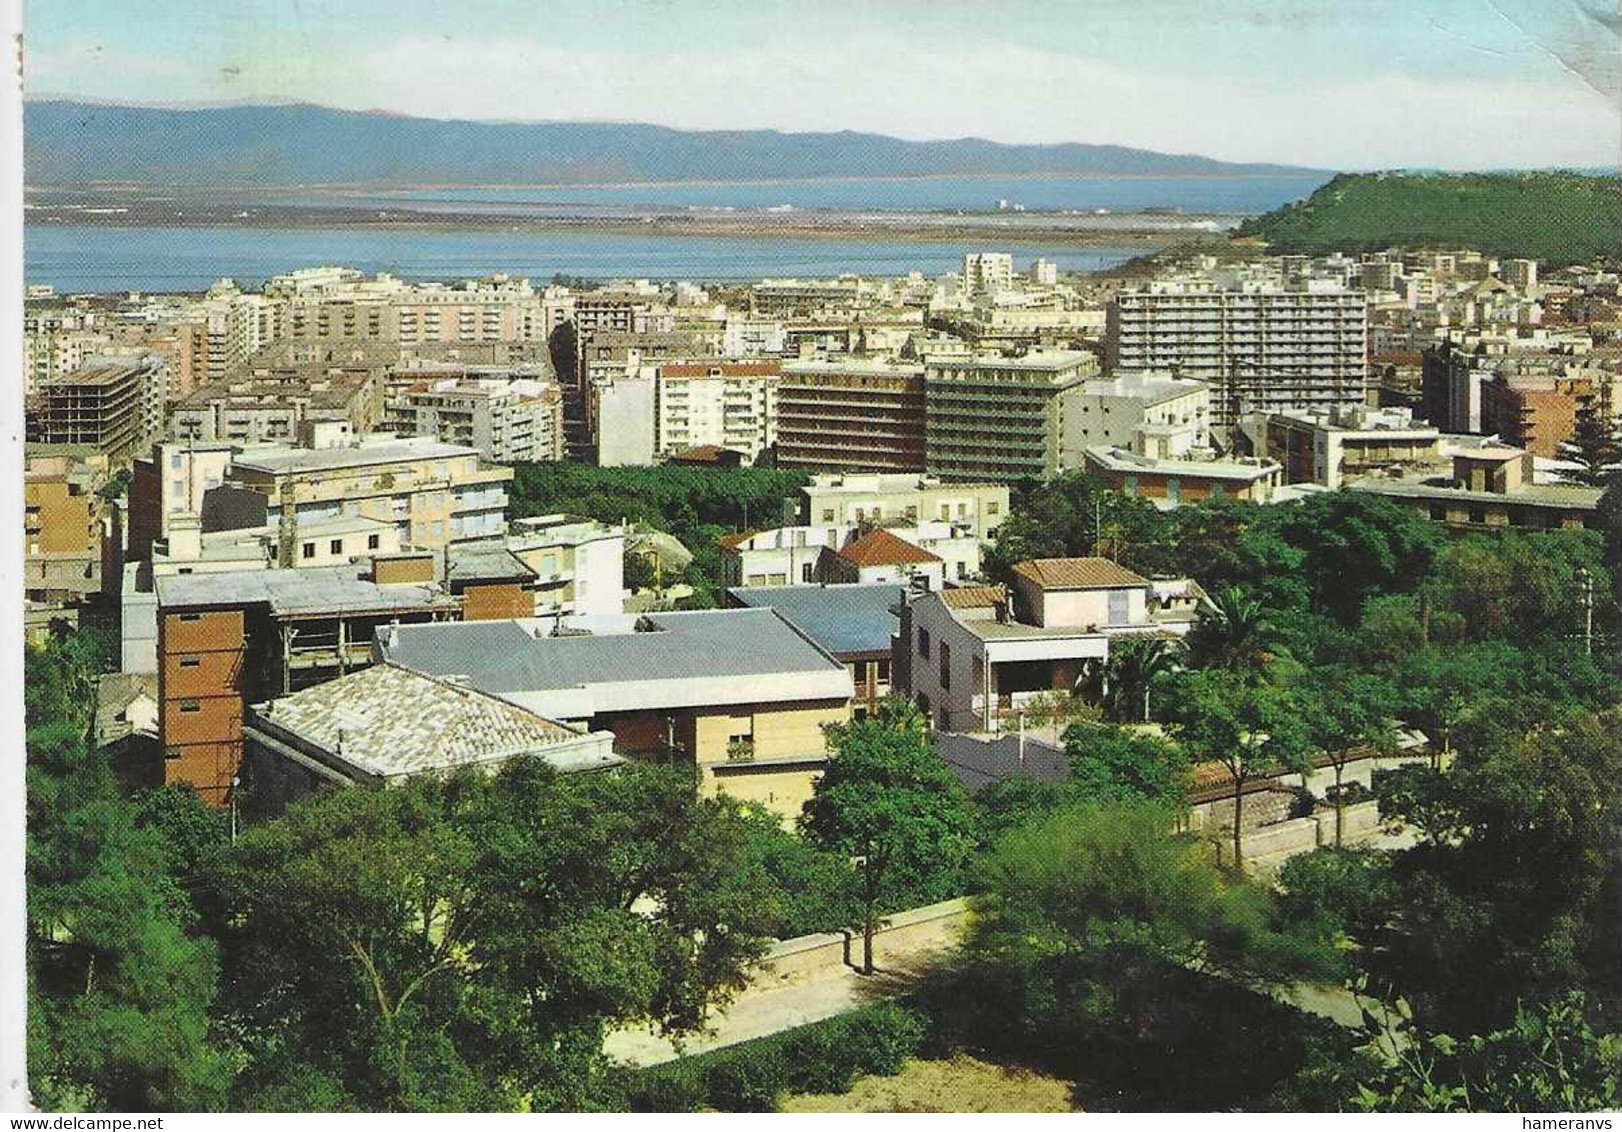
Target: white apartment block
<point>520,421</point>
<point>579,564</point>
<point>1262,347</point>
<point>988,272</point>
<point>729,404</point>
<point>746,337</point>
<point>1153,414</point>
<point>623,409</point>
<point>850,500</point>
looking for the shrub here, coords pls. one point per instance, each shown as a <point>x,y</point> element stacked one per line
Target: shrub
<point>823,1057</point>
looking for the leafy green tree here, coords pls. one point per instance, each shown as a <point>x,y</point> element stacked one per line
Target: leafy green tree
<point>1514,893</point>
<point>120,987</point>
<point>1348,713</point>
<point>1549,1059</point>
<point>1102,944</point>
<point>1252,728</point>
<point>1342,893</point>
<point>888,801</point>
<point>467,943</point>
<point>813,890</point>
<point>1111,764</point>
<point>1353,545</point>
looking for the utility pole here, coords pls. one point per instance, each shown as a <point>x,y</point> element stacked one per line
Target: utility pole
<point>1586,581</point>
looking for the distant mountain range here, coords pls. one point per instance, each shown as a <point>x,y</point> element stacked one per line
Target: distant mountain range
<point>68,143</point>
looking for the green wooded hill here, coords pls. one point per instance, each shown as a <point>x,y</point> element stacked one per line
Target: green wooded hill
<point>1559,218</point>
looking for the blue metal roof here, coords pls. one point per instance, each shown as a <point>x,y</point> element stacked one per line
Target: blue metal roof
<point>843,619</point>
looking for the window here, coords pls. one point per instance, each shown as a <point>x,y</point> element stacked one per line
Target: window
<point>1478,515</point>
<point>373,542</point>
<point>336,546</point>
<point>190,661</point>
<point>993,508</point>
<point>805,571</point>
<point>923,643</point>
<point>946,665</point>
<point>191,616</point>
<point>827,514</point>
<point>1439,512</point>
<point>191,706</point>
<point>171,753</point>
<point>881,671</point>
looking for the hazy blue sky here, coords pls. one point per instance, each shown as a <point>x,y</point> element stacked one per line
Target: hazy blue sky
<point>1347,84</point>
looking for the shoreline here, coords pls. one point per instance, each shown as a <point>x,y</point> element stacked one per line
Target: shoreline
<point>753,227</point>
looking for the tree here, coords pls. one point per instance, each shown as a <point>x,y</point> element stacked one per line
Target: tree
<point>888,801</point>
<point>1348,713</point>
<point>1547,1060</point>
<point>1440,685</point>
<point>466,943</point>
<point>1111,764</point>
<point>1232,632</point>
<point>1252,728</point>
<point>120,987</point>
<point>1102,944</point>
<point>1134,665</point>
<point>1596,442</point>
<point>1516,893</point>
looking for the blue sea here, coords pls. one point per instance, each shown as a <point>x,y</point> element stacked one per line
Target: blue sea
<point>97,258</point>
<point>178,257</point>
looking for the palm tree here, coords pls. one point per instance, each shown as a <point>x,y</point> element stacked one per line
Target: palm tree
<point>1233,632</point>
<point>1133,665</point>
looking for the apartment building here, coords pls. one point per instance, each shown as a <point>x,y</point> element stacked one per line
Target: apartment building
<point>271,406</point>
<point>578,565</point>
<point>851,415</point>
<point>175,479</point>
<point>741,695</point>
<point>1490,487</point>
<point>988,272</point>
<point>110,406</point>
<point>56,342</point>
<point>809,298</point>
<point>225,640</point>
<point>1335,446</point>
<point>624,413</point>
<point>1534,411</point>
<point>69,539</point>
<point>1260,346</point>
<point>518,421</point>
<point>730,404</point>
<point>852,500</point>
<point>1169,482</point>
<point>991,417</point>
<point>973,657</point>
<point>434,493</point>
<point>1156,414</point>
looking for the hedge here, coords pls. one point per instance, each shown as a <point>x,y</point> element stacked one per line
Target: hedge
<point>822,1057</point>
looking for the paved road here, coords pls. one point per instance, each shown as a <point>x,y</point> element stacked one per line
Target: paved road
<point>772,1003</point>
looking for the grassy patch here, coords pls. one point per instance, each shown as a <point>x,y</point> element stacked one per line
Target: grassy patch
<point>959,1083</point>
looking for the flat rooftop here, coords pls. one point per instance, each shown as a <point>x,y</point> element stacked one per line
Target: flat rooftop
<point>281,459</point>
<point>1122,460</point>
<point>1570,496</point>
<point>300,592</point>
<point>841,619</point>
<point>627,662</point>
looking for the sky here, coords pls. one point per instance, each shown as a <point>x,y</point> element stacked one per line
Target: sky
<point>1344,84</point>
